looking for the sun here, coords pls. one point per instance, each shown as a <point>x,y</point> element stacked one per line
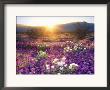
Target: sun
<point>50,27</point>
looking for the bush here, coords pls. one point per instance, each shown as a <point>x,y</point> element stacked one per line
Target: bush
<point>81,33</point>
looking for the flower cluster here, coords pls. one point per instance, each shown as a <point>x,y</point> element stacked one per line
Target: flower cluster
<point>67,57</point>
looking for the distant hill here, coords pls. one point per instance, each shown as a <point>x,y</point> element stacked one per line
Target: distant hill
<point>21,28</point>
<point>77,25</point>
<point>62,27</point>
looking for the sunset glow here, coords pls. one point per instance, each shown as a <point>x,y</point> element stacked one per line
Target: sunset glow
<point>50,28</point>
<point>51,21</point>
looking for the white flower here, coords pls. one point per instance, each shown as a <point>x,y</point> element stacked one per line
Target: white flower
<point>68,47</point>
<point>61,63</point>
<point>52,67</point>
<point>61,68</point>
<point>67,41</point>
<point>75,47</point>
<point>67,50</point>
<point>84,48</point>
<point>80,44</point>
<point>65,65</point>
<point>72,65</point>
<point>47,66</point>
<point>55,60</point>
<point>63,58</point>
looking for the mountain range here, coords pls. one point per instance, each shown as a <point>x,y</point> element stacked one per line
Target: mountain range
<point>62,27</point>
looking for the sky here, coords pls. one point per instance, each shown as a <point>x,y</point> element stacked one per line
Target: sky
<point>51,20</point>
